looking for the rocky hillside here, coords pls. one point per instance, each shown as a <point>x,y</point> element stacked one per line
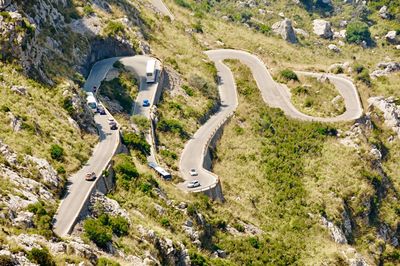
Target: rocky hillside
<point>296,193</point>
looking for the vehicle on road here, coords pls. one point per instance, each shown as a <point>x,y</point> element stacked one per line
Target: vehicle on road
<point>151,71</point>
<point>101,110</point>
<point>90,176</point>
<point>193,172</point>
<point>193,184</point>
<point>146,103</point>
<point>111,121</point>
<point>160,171</point>
<point>113,125</point>
<point>94,89</point>
<point>91,101</point>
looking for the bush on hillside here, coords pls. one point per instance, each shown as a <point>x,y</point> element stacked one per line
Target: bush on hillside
<point>136,142</point>
<point>97,232</point>
<point>126,170</point>
<point>56,152</point>
<point>357,32</point>
<point>114,28</point>
<point>41,257</point>
<point>107,262</point>
<point>288,75</point>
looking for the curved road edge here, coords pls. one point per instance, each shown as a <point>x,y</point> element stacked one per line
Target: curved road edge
<point>194,154</point>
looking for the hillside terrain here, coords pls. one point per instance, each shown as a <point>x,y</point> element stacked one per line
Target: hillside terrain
<point>294,192</point>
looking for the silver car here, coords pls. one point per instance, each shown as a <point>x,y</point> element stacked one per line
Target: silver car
<point>193,184</point>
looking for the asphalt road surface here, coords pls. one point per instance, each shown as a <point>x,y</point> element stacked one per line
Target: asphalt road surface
<point>78,189</point>
<point>273,94</point>
<point>162,8</point>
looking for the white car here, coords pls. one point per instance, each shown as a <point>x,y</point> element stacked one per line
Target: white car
<point>193,184</point>
<point>193,172</point>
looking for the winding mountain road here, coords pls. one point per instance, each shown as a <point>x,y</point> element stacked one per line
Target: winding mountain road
<point>78,189</point>
<point>273,94</point>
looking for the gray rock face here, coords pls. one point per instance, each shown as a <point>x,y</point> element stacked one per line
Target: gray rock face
<point>322,28</point>
<point>4,4</point>
<point>392,37</point>
<point>386,69</point>
<point>47,172</point>
<point>108,205</point>
<point>15,123</point>
<point>383,12</point>
<point>391,112</point>
<point>336,233</point>
<point>19,90</point>
<point>334,48</point>
<point>285,29</point>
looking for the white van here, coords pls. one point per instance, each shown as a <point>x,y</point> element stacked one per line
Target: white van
<point>91,101</point>
<point>151,71</point>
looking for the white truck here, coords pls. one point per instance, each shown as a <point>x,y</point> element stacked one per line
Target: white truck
<point>151,71</point>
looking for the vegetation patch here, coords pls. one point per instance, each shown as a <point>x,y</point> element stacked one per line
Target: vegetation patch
<point>122,89</point>
<point>316,97</point>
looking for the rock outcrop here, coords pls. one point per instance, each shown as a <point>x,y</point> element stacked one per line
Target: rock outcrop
<point>386,69</point>
<point>107,205</point>
<point>391,111</point>
<point>322,28</point>
<point>392,37</point>
<point>383,12</point>
<point>285,29</point>
<point>336,233</point>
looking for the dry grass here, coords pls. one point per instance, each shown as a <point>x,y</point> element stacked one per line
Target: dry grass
<point>44,121</point>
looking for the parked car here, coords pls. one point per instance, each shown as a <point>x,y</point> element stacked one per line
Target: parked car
<point>90,176</point>
<point>193,172</point>
<point>193,184</point>
<point>146,103</point>
<point>113,126</point>
<point>111,121</point>
<point>101,110</point>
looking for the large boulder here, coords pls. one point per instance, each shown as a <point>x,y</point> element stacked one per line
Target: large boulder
<point>322,28</point>
<point>392,37</point>
<point>285,29</point>
<point>386,69</point>
<point>391,112</point>
<point>383,12</point>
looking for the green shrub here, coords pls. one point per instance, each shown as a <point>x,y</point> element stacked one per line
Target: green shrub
<point>197,259</point>
<point>142,122</point>
<point>126,170</point>
<point>171,125</point>
<point>169,154</point>
<point>358,32</point>
<point>56,152</point>
<point>183,3</point>
<point>189,91</point>
<point>95,231</point>
<point>106,262</point>
<point>288,75</point>
<point>41,257</point>
<point>119,225</point>
<point>67,105</point>
<point>197,27</point>
<point>254,242</point>
<point>136,142</point>
<point>88,10</point>
<point>42,219</point>
<point>165,222</point>
<point>114,28</point>
<point>145,188</point>
<point>300,90</point>
<point>5,109</point>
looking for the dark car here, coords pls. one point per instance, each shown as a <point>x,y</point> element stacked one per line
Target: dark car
<point>146,103</point>
<point>113,126</point>
<point>101,110</point>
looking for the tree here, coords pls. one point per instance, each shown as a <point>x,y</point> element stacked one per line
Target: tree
<point>357,32</point>
<point>41,257</point>
<point>56,152</point>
